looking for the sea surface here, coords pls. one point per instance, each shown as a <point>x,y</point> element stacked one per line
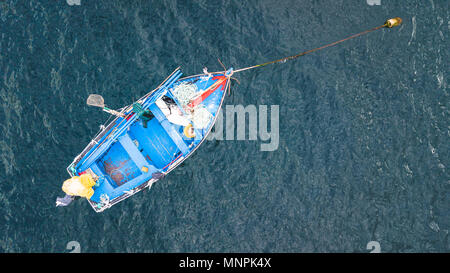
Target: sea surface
<point>364,128</point>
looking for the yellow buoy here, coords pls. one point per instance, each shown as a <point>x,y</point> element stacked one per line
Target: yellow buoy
<point>79,186</point>
<point>189,131</point>
<point>393,22</point>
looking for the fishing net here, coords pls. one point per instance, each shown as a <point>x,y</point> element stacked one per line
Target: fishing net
<point>201,117</point>
<point>184,92</point>
<point>95,100</point>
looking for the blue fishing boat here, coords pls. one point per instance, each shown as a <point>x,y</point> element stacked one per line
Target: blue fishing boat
<point>147,139</point>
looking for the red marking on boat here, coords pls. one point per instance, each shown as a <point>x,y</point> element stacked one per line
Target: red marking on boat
<point>129,116</point>
<point>172,161</point>
<point>221,81</point>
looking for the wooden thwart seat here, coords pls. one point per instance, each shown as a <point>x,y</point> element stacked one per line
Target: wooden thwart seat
<point>135,154</point>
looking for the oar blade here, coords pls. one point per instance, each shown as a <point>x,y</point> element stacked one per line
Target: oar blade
<point>95,100</point>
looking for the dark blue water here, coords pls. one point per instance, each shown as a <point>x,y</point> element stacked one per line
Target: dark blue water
<point>364,126</point>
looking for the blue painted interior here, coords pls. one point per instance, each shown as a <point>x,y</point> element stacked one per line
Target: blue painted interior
<point>118,165</point>
<point>155,144</point>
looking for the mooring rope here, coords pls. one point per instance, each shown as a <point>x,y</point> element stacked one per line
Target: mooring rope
<point>389,23</point>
